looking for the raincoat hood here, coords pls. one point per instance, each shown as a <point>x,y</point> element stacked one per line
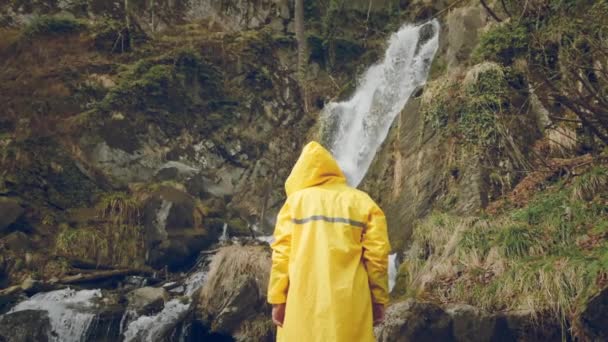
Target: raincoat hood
<point>315,166</point>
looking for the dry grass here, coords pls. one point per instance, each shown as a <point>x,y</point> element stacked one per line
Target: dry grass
<point>590,184</point>
<point>546,258</point>
<point>117,245</point>
<point>228,269</point>
<point>119,208</point>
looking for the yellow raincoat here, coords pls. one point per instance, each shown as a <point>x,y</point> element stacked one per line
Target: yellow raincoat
<point>330,255</point>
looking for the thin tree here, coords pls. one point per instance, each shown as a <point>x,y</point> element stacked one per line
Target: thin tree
<point>302,51</point>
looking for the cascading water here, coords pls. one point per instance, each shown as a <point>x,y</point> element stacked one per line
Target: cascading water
<point>392,271</point>
<point>149,328</point>
<point>357,127</point>
<point>70,312</point>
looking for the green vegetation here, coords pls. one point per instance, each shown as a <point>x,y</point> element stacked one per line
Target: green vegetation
<point>52,25</point>
<point>119,208</point>
<point>483,100</point>
<point>502,43</point>
<point>547,257</point>
<point>471,110</point>
<point>110,244</point>
<point>176,83</point>
<point>117,238</point>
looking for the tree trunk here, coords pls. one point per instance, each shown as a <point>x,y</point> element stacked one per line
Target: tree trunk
<point>302,51</point>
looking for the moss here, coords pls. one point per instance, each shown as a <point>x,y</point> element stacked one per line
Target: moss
<point>503,43</point>
<point>484,99</point>
<point>46,25</point>
<point>238,227</point>
<point>172,91</point>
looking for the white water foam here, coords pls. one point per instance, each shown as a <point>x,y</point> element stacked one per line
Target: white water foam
<point>392,271</point>
<point>70,312</point>
<point>151,328</point>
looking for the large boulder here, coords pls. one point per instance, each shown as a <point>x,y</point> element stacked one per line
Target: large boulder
<point>233,299</point>
<point>10,211</point>
<point>463,28</point>
<point>415,321</point>
<point>25,326</point>
<point>594,319</point>
<point>173,228</point>
<point>469,324</point>
<point>147,300</point>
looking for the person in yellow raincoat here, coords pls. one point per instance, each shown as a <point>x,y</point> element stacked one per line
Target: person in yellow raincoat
<point>329,279</point>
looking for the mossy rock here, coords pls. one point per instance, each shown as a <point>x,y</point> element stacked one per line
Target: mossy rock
<point>49,25</point>
<point>238,227</point>
<point>49,174</point>
<point>503,43</point>
<point>171,91</point>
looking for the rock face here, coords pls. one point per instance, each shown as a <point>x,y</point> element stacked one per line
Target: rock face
<point>463,25</point>
<point>415,321</point>
<point>420,321</point>
<point>471,324</point>
<point>147,300</point>
<point>594,318</point>
<point>173,228</point>
<point>10,211</point>
<point>25,326</point>
<point>233,300</point>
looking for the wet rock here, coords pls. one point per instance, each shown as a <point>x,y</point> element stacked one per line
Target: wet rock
<point>233,300</point>
<point>147,300</point>
<point>173,228</point>
<point>463,26</point>
<point>17,241</point>
<point>471,324</point>
<point>527,326</point>
<point>415,321</point>
<point>25,326</point>
<point>10,211</point>
<point>594,318</point>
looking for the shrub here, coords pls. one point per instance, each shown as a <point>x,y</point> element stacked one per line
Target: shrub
<point>503,43</point>
<point>591,183</point>
<point>52,25</point>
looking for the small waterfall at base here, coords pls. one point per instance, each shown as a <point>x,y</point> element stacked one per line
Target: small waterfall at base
<point>70,312</point>
<point>392,271</point>
<point>355,129</point>
<point>149,328</point>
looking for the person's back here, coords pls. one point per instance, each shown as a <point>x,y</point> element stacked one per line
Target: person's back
<point>330,255</point>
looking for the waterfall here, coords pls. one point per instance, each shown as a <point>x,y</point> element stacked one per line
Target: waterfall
<point>356,128</point>
<point>150,328</point>
<point>224,236</point>
<point>392,271</point>
<point>70,312</point>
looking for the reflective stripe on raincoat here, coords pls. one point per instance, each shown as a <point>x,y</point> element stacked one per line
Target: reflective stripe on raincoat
<point>330,255</point>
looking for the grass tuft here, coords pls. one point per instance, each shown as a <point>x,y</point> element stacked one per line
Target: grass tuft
<point>547,258</point>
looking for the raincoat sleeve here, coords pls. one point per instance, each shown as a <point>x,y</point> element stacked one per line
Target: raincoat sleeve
<point>281,247</point>
<point>376,248</point>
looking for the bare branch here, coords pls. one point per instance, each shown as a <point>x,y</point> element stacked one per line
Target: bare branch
<point>490,12</point>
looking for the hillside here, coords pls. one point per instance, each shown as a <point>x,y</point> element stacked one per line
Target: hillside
<point>138,137</point>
